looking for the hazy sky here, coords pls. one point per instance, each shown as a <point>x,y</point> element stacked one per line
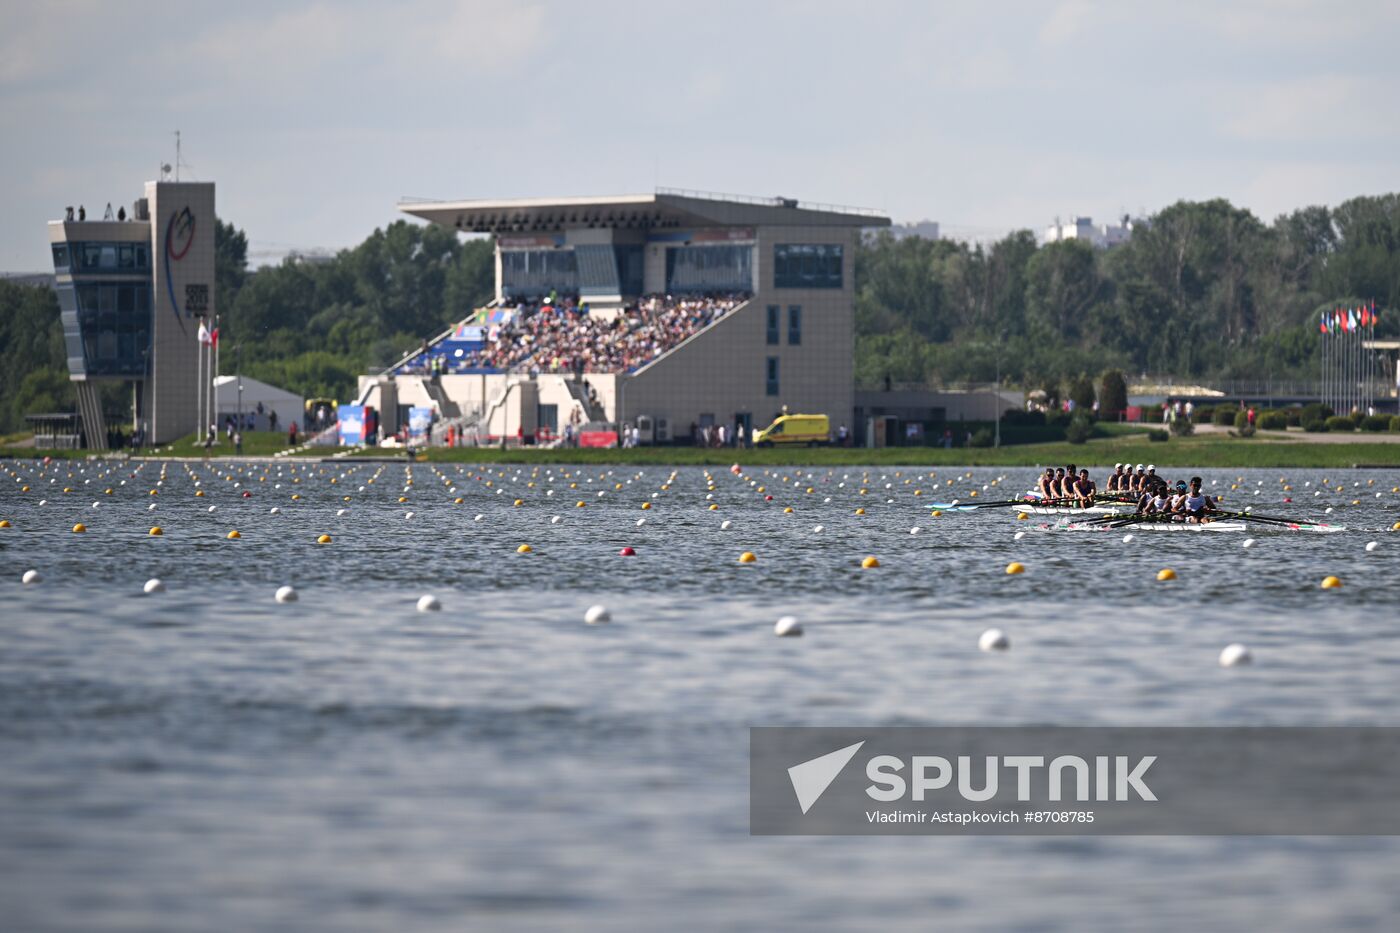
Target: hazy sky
<point>314,119</point>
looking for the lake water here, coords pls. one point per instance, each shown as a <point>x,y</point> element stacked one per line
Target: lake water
<point>209,759</point>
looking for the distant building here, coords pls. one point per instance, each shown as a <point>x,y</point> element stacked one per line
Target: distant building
<point>1101,236</point>
<point>32,279</point>
<point>923,229</point>
<point>132,293</point>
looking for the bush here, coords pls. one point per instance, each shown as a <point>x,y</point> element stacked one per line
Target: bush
<point>1245,431</point>
<point>1057,419</point>
<point>1015,417</point>
<point>1158,435</point>
<point>983,437</point>
<point>1225,416</point>
<point>1182,427</point>
<point>1395,424</point>
<point>1294,416</point>
<point>1375,423</point>
<point>1273,421</point>
<point>1080,430</point>
<point>1201,414</point>
<point>1340,423</point>
<point>1315,426</point>
<point>1113,394</point>
<point>1241,419</point>
<point>1315,412</point>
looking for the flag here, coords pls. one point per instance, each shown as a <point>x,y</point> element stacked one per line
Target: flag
<point>214,337</point>
<point>203,333</point>
<point>1351,319</point>
<point>1322,324</point>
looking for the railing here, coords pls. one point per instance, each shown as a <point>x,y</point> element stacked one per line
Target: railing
<point>777,201</point>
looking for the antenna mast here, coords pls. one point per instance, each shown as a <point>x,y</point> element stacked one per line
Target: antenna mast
<point>177,155</point>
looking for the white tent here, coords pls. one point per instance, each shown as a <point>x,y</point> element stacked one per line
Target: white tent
<point>287,405</point>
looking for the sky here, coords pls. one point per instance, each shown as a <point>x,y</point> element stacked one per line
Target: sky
<point>315,119</point>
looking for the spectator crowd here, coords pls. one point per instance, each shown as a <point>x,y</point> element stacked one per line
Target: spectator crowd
<point>565,338</point>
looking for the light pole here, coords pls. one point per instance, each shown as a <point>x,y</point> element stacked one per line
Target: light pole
<point>996,395</point>
<point>238,375</point>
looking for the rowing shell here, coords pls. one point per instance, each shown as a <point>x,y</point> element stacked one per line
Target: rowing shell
<point>1069,510</point>
<point>1164,526</point>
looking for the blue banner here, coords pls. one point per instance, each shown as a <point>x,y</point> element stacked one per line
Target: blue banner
<point>420,422</point>
<point>352,425</point>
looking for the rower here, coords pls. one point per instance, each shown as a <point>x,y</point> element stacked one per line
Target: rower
<point>1067,484</point>
<point>1144,501</point>
<point>1139,481</point>
<point>1178,498</point>
<point>1115,479</point>
<point>1197,504</point>
<point>1161,500</point>
<point>1084,490</point>
<point>1152,476</point>
<point>1057,482</point>
<point>1046,484</point>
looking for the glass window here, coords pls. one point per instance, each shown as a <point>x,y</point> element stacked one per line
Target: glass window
<point>142,255</point>
<point>527,273</point>
<point>807,265</point>
<point>795,325</point>
<point>126,256</point>
<point>92,255</point>
<point>773,312</point>
<point>60,256</point>
<point>772,375</point>
<point>714,268</point>
<point>109,256</point>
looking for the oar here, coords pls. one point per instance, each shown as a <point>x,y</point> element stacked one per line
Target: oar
<point>989,505</point>
<point>1268,519</point>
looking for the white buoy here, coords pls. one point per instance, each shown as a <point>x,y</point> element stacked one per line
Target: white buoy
<point>641,522</point>
<point>153,586</point>
<point>915,530</point>
<point>478,518</point>
<point>273,511</point>
<point>726,525</point>
<point>1127,539</point>
<point>554,519</point>
<point>31,576</point>
<point>212,507</point>
<point>597,615</point>
<point>1247,542</point>
<point>787,627</point>
<point>994,639</point>
<point>286,594</point>
<point>1018,535</point>
<point>151,507</point>
<point>1372,545</point>
<point>97,505</point>
<point>428,604</point>
<point>339,512</point>
<point>818,529</point>
<point>1235,655</point>
<point>408,515</point>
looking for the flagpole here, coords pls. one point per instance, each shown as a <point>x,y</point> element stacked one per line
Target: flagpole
<point>213,390</point>
<point>199,381</point>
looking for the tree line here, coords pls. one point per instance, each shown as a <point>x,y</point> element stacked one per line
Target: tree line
<point>1201,290</point>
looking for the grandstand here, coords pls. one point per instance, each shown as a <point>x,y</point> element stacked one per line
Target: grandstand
<point>672,312</point>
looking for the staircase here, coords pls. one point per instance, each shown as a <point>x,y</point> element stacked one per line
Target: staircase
<point>579,391</point>
<point>447,408</point>
<point>90,408</point>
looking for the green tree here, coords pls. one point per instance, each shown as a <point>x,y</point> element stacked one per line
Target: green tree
<point>1113,394</point>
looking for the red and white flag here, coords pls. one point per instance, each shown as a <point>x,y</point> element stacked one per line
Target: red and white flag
<point>203,333</point>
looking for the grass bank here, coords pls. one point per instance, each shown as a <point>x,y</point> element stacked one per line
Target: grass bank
<point>1205,451</point>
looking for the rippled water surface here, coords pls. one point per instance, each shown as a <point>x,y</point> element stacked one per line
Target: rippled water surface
<point>207,758</point>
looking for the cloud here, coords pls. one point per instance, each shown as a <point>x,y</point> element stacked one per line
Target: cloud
<point>1066,22</point>
<point>1316,109</point>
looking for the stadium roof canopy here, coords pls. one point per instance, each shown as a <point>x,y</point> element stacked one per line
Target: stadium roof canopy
<point>666,208</point>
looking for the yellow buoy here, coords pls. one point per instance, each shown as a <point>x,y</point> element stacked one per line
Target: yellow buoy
<point>747,557</point>
<point>234,535</point>
<point>156,531</point>
<point>24,489</point>
<point>403,498</point>
<point>1395,527</point>
<point>519,502</point>
<point>646,506</point>
<point>714,507</point>
<point>79,528</point>
<point>787,511</point>
<point>458,501</point>
<point>936,512</point>
<point>524,549</point>
<point>1331,583</point>
<point>580,504</point>
<point>199,493</point>
<point>860,511</point>
<point>296,496</point>
<point>1014,567</point>
<point>1166,573</point>
<point>870,562</point>
<point>324,539</point>
<point>1021,516</point>
<point>4,523</point>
